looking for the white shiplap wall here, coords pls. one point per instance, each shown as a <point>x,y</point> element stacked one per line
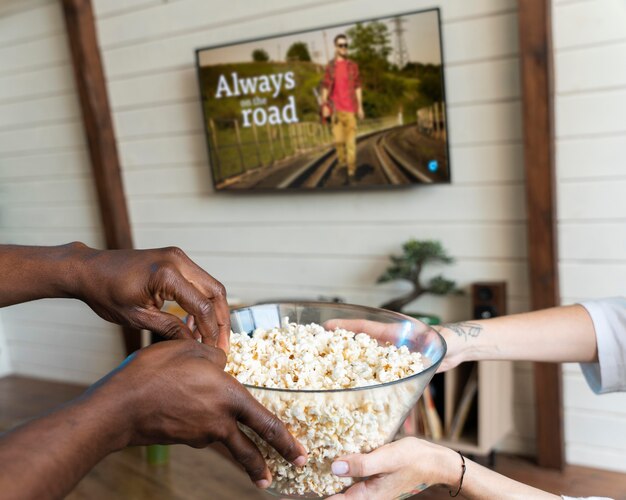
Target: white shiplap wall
<point>46,191</point>
<point>266,246</point>
<point>260,246</point>
<point>590,69</point>
<point>308,244</point>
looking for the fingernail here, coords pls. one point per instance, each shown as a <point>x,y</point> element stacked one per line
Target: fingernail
<point>300,461</point>
<point>263,483</point>
<point>339,468</point>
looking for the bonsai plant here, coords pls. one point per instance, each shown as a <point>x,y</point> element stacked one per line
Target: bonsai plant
<point>408,266</point>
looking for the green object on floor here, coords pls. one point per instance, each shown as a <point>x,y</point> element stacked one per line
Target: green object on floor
<point>158,454</point>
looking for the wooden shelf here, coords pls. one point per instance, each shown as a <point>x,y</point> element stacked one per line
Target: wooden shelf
<point>491,415</point>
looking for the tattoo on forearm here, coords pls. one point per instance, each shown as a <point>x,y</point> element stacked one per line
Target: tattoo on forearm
<point>465,329</point>
<point>416,489</point>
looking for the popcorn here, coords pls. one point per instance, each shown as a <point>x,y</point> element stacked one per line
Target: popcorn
<point>353,418</point>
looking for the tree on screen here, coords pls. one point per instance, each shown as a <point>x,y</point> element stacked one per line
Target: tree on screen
<point>260,55</point>
<point>430,86</point>
<point>370,47</point>
<point>299,51</point>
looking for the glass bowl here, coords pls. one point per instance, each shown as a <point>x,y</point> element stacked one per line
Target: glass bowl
<point>336,422</point>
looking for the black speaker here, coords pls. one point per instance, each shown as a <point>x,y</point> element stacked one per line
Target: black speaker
<point>488,299</point>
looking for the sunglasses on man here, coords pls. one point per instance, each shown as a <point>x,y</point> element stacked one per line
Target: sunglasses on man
<point>342,45</point>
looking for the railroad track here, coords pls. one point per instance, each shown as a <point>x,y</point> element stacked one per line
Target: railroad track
<point>398,167</point>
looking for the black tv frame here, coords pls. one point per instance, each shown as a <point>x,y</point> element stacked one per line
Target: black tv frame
<point>352,188</point>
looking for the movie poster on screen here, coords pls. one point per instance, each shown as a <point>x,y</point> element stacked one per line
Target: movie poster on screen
<point>359,105</point>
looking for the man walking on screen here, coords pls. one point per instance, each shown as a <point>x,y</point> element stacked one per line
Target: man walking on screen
<point>342,87</point>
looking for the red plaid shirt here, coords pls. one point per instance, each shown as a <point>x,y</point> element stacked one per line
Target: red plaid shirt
<point>354,80</point>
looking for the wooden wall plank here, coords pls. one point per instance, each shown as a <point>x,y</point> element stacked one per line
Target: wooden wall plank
<point>36,54</point>
<point>601,72</point>
<point>591,157</point>
<point>98,124</point>
<point>604,114</point>
<point>483,202</point>
<point>41,21</point>
<point>588,201</point>
<point>586,23</point>
<point>538,130</point>
<point>490,37</point>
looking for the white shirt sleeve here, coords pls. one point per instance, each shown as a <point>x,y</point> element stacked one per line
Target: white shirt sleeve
<point>585,498</point>
<point>609,321</point>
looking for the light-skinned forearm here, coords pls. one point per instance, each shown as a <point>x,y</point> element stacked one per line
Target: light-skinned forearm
<point>410,465</point>
<point>30,273</point>
<point>560,334</point>
<point>359,97</point>
<point>44,459</point>
<point>480,483</point>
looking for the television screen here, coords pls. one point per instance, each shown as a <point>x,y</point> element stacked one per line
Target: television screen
<point>340,107</point>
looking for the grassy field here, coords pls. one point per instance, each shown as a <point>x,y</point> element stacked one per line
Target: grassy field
<point>232,157</point>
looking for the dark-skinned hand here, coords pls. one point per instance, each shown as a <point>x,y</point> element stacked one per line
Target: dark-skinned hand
<point>177,392</point>
<point>129,287</point>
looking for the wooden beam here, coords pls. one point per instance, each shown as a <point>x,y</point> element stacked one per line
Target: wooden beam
<point>98,126</point>
<point>538,128</point>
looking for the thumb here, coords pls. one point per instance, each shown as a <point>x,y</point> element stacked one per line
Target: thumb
<point>382,460</point>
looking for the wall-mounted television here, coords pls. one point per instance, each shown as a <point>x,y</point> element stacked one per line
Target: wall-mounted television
<point>339,107</point>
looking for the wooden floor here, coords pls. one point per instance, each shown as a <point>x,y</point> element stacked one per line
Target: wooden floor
<point>204,474</point>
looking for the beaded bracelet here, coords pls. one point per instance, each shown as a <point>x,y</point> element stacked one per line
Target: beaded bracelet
<point>462,476</point>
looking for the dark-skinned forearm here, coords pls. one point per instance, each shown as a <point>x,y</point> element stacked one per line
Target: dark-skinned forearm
<point>30,273</point>
<point>60,448</point>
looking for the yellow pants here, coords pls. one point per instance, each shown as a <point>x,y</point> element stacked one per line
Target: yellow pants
<point>344,133</point>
